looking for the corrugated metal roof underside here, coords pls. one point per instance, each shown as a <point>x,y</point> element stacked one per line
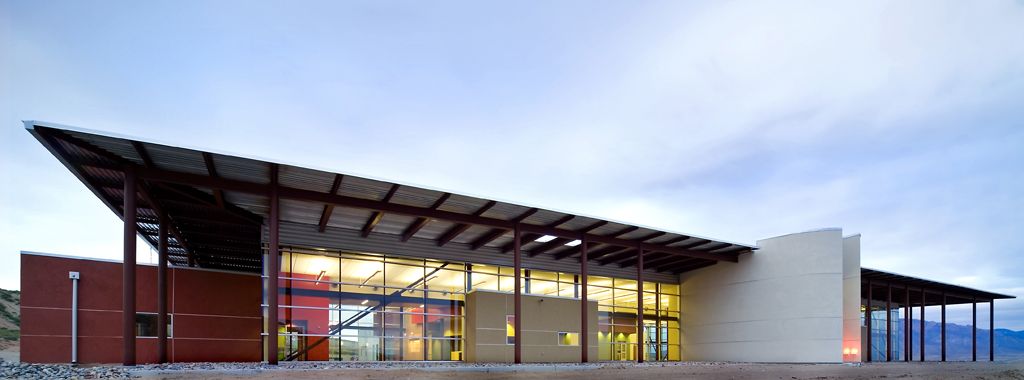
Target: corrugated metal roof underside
<point>221,228</point>
<point>933,291</point>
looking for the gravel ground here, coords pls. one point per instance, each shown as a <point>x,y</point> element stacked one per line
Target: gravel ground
<point>9,370</point>
<point>451,371</point>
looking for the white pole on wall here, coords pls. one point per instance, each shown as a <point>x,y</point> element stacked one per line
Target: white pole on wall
<point>74,316</point>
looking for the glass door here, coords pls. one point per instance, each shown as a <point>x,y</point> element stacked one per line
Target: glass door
<point>650,340</point>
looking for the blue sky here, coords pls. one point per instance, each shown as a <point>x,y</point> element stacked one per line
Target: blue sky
<point>902,121</point>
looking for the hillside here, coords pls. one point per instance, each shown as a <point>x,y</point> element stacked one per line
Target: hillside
<point>10,314</point>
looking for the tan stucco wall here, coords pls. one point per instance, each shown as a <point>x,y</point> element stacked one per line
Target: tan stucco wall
<point>543,319</point>
<point>782,303</point>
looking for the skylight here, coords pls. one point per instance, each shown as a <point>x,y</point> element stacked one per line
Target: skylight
<point>545,239</point>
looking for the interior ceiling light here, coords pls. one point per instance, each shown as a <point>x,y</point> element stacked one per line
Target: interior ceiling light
<point>574,243</point>
<point>320,277</point>
<point>368,279</point>
<point>545,239</point>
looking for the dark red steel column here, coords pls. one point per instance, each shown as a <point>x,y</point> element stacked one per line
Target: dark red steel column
<point>888,323</point>
<point>974,330</point>
<point>584,273</point>
<point>867,321</point>
<point>921,334</point>
<point>128,269</point>
<point>518,294</point>
<point>991,330</point>
<point>273,260</point>
<point>640,348</point>
<point>943,330</point>
<point>161,293</point>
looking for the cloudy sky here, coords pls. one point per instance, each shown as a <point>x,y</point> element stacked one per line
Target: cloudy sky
<point>901,120</point>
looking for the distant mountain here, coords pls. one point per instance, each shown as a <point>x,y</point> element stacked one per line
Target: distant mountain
<point>1009,343</point>
<point>10,314</point>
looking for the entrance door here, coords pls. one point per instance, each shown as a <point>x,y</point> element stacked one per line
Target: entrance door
<point>650,341</point>
<point>290,341</point>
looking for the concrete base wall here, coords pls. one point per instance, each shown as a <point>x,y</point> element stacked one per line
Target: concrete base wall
<point>783,303</point>
<point>543,319</point>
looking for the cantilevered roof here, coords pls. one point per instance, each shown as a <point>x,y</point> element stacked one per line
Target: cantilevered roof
<point>955,294</point>
<point>216,204</point>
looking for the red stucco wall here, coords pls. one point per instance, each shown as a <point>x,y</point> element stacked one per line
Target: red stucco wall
<point>217,315</point>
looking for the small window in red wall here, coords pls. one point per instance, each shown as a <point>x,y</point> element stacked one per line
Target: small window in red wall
<point>145,325</point>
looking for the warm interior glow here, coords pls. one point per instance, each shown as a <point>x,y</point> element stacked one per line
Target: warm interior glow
<point>568,339</point>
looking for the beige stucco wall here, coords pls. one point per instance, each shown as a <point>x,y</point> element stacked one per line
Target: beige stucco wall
<point>543,319</point>
<point>782,303</point>
<point>851,299</point>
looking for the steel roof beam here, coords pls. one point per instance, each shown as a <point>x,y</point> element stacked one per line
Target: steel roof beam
<point>605,252</point>
<point>458,229</point>
<point>421,221</point>
<point>600,253</point>
<point>529,238</point>
<point>376,216</point>
<point>631,260</point>
<point>147,160</point>
<point>561,241</point>
<point>498,232</point>
<point>629,253</point>
<point>662,260</point>
<point>211,169</point>
<point>325,216</point>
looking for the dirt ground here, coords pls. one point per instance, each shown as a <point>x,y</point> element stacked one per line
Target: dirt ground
<point>9,351</point>
<point>980,370</point>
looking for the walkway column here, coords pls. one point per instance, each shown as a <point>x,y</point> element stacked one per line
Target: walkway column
<point>517,263</point>
<point>867,321</point>
<point>888,323</point>
<point>974,330</point>
<point>921,336</point>
<point>943,326</point>
<point>991,330</point>
<point>273,260</point>
<point>640,348</point>
<point>908,326</point>
<point>584,334</point>
<point>128,269</point>
<point>161,293</point>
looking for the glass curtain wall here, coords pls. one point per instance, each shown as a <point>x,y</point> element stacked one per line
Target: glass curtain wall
<point>879,334</point>
<point>617,317</point>
<point>361,307</point>
<point>351,307</point>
